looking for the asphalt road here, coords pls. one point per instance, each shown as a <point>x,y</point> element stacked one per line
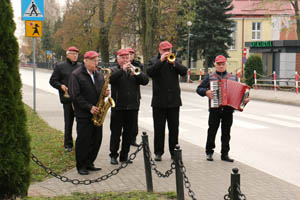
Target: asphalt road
<point>264,136</point>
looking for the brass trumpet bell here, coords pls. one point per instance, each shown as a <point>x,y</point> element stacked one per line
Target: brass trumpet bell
<point>171,58</point>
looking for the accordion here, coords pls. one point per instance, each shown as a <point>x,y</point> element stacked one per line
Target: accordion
<point>229,93</point>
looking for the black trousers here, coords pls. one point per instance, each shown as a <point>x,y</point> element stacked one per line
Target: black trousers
<point>88,142</point>
<point>217,116</point>
<point>135,128</point>
<point>69,119</point>
<point>121,124</point>
<point>160,116</point>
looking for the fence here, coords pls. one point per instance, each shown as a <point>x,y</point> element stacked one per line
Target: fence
<point>291,83</point>
<point>182,181</point>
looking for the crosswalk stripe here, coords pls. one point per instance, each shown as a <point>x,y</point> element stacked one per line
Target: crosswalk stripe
<point>248,125</point>
<point>285,117</point>
<point>268,120</point>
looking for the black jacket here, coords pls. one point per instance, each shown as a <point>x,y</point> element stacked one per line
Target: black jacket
<point>125,89</point>
<point>60,76</point>
<point>84,92</point>
<point>165,89</point>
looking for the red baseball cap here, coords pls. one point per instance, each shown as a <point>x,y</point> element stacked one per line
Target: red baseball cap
<point>165,45</point>
<point>122,52</point>
<point>72,48</point>
<point>131,50</point>
<point>220,59</point>
<point>91,54</point>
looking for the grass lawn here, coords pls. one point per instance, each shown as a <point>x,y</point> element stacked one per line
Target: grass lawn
<point>137,195</point>
<point>47,144</point>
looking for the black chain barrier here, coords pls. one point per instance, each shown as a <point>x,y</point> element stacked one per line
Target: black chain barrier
<point>238,190</point>
<point>49,171</point>
<point>154,167</point>
<point>187,183</point>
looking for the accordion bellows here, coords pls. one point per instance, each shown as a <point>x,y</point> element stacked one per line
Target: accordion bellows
<point>229,93</point>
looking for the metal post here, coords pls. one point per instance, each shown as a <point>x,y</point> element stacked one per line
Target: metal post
<point>179,177</point>
<point>34,67</point>
<point>235,182</point>
<point>188,57</point>
<point>147,163</point>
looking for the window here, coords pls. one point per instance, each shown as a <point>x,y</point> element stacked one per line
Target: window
<point>256,31</point>
<point>233,36</point>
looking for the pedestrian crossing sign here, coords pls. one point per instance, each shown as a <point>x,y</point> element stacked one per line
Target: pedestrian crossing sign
<point>33,28</point>
<point>33,10</point>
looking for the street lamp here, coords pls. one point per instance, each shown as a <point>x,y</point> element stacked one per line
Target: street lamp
<point>189,24</point>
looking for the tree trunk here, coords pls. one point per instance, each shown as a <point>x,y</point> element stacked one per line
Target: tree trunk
<point>148,20</point>
<point>206,64</point>
<point>296,9</point>
<point>105,28</point>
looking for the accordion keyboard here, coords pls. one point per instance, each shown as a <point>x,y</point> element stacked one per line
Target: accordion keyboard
<point>214,87</point>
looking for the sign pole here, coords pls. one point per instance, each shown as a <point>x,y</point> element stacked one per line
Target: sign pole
<point>34,67</point>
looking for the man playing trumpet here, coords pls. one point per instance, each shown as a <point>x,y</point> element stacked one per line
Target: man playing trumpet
<point>166,99</point>
<point>125,90</point>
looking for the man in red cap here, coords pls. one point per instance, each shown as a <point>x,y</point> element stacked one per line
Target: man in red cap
<point>217,115</point>
<point>166,99</point>
<point>59,80</point>
<point>138,64</point>
<point>125,90</point>
<point>86,83</point>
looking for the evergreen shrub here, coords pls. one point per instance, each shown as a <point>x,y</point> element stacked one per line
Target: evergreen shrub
<point>14,138</point>
<point>254,62</point>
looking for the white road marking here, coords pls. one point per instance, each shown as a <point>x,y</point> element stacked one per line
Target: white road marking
<point>269,120</point>
<point>294,118</point>
<point>248,125</point>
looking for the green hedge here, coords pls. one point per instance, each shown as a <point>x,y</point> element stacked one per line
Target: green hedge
<point>14,138</point>
<point>254,62</point>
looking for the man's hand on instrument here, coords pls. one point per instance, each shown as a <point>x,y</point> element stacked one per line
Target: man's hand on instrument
<point>164,56</point>
<point>107,92</point>
<point>94,110</point>
<point>64,88</point>
<point>247,100</point>
<point>209,94</point>
<point>126,66</point>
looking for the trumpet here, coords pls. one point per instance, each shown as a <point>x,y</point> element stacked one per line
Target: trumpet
<point>135,70</point>
<point>171,58</point>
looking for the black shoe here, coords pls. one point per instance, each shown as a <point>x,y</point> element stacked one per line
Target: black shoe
<point>209,157</point>
<point>226,158</point>
<point>126,161</point>
<point>68,149</point>
<point>135,144</point>
<point>114,161</point>
<point>83,172</point>
<point>157,157</point>
<point>93,168</point>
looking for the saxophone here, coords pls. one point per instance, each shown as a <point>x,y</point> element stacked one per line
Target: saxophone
<point>103,105</point>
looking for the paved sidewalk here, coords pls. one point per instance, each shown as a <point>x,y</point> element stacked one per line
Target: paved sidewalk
<point>210,180</point>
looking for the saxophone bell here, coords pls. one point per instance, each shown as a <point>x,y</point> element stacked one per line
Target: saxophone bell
<point>103,105</point>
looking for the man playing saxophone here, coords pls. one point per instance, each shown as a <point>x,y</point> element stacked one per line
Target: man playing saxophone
<point>85,86</point>
<point>125,90</point>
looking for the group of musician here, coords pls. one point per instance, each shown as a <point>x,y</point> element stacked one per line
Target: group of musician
<point>80,85</point>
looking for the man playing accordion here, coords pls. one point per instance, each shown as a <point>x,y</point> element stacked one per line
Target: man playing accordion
<point>218,114</point>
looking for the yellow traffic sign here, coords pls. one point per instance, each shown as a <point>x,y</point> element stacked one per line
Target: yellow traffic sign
<point>33,28</point>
